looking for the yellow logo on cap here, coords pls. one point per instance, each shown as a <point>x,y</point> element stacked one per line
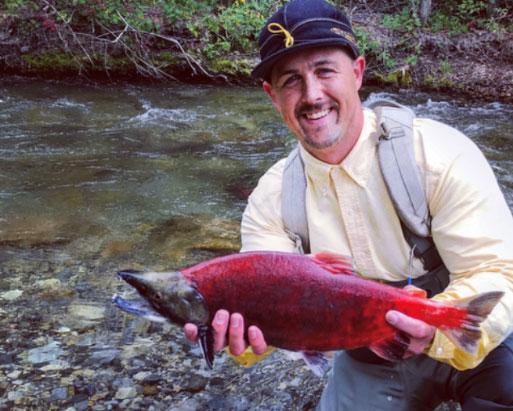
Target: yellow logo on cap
<point>345,34</point>
<point>289,40</point>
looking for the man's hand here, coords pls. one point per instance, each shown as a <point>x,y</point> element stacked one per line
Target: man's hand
<point>234,324</point>
<point>421,334</point>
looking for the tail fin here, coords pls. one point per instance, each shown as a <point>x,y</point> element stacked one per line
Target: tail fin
<point>467,336</point>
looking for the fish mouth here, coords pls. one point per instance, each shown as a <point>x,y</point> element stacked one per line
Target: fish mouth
<point>138,307</point>
<point>127,275</point>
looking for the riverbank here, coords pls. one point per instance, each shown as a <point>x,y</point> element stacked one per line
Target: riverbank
<point>475,64</point>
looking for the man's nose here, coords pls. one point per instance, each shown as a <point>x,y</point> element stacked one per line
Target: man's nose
<point>312,90</point>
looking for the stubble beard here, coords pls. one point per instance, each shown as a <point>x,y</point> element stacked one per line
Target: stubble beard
<point>330,138</point>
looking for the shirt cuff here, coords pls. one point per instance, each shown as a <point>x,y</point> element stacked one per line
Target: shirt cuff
<point>441,347</point>
<point>248,357</point>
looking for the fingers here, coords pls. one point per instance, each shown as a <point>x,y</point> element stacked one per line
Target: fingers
<point>191,332</point>
<point>220,326</point>
<point>412,326</point>
<point>421,333</point>
<point>236,334</point>
<point>232,325</point>
<point>256,340</point>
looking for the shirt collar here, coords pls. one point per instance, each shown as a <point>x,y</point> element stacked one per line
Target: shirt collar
<point>357,163</point>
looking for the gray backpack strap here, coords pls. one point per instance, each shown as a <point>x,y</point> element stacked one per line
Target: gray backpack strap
<point>398,166</point>
<point>293,201</point>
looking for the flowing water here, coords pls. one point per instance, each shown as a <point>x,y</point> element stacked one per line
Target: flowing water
<point>99,178</point>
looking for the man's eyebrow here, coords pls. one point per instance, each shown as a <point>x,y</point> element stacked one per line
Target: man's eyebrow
<point>317,63</point>
<point>322,62</point>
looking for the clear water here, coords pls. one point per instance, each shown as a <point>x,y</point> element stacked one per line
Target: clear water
<point>98,178</point>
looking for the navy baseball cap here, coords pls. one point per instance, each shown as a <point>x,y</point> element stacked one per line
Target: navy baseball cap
<point>302,24</point>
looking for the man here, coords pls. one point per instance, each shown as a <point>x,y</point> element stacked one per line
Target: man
<point>312,71</point>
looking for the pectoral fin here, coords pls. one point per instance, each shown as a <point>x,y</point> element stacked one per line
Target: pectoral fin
<point>206,343</point>
<point>392,349</point>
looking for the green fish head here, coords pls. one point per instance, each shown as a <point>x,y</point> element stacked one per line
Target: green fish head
<point>169,295</point>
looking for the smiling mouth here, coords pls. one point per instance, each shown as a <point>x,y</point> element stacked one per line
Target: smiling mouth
<point>317,115</point>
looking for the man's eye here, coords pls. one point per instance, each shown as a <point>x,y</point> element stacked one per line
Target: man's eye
<point>324,71</point>
<point>290,81</point>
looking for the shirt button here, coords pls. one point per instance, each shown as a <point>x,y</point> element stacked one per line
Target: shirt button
<point>439,350</point>
<point>324,191</point>
<point>351,211</point>
<point>363,254</point>
<point>389,398</point>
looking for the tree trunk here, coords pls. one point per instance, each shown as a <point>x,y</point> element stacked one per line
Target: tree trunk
<point>425,11</point>
<point>490,10</point>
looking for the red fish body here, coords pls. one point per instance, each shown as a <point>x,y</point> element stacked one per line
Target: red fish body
<point>302,303</point>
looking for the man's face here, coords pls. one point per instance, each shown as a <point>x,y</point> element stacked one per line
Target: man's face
<point>316,92</point>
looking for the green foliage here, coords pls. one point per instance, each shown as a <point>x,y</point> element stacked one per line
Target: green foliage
<point>465,15</point>
<point>220,34</point>
<point>213,28</point>
<point>404,22</point>
<point>445,68</point>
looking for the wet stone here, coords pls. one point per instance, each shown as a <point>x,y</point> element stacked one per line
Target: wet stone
<point>6,359</point>
<point>83,405</point>
<point>230,402</point>
<point>50,284</point>
<point>193,383</point>
<point>150,390</point>
<point>152,379</point>
<point>60,393</point>
<point>11,295</point>
<point>126,392</point>
<point>48,353</point>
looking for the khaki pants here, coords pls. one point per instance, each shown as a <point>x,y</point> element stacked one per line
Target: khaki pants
<point>419,383</point>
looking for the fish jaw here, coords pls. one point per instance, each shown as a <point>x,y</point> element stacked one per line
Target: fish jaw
<point>138,307</point>
<point>169,294</point>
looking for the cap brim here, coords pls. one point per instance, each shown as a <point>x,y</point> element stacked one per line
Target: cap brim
<point>263,70</point>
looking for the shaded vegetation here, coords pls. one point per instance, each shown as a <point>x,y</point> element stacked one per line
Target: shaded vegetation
<point>208,39</point>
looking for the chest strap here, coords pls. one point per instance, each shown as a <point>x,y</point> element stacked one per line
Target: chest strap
<point>401,176</point>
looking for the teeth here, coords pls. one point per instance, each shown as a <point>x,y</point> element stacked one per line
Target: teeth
<point>317,115</point>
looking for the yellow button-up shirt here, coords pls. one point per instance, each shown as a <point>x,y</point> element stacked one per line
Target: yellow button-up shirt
<point>350,212</point>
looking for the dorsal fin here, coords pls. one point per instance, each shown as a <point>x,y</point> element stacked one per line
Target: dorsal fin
<point>334,263</point>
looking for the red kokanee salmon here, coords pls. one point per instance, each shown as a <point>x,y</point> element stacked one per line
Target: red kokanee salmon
<point>306,303</point>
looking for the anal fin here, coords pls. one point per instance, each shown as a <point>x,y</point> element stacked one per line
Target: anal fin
<point>392,349</point>
<point>206,343</point>
<point>317,362</point>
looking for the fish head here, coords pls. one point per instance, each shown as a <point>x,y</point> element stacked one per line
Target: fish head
<point>169,294</point>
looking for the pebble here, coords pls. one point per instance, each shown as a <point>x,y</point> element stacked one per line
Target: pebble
<point>15,374</point>
<point>51,284</point>
<point>60,393</point>
<point>47,353</point>
<point>126,392</point>
<point>11,295</point>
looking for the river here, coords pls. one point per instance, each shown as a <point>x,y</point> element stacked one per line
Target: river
<point>97,178</point>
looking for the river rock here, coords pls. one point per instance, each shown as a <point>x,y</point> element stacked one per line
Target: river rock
<point>51,284</point>
<point>48,353</point>
<point>84,316</point>
<point>58,394</point>
<point>11,295</point>
<point>126,392</point>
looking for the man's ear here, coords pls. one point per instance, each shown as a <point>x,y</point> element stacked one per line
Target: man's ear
<point>268,88</point>
<point>358,69</point>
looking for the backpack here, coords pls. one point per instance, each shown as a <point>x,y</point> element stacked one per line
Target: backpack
<point>402,178</point>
